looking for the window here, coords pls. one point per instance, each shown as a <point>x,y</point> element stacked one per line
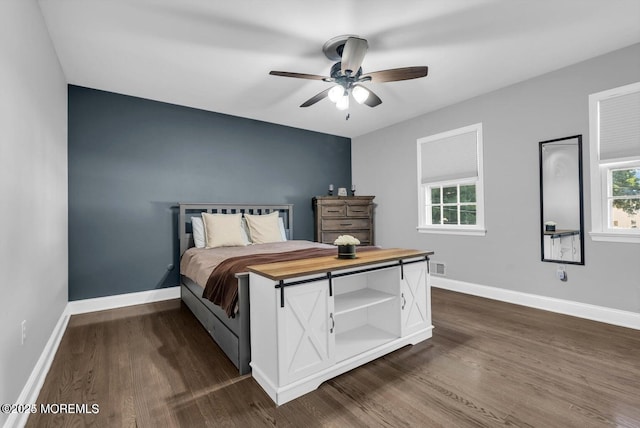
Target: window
<point>453,203</point>
<point>623,197</point>
<point>450,182</point>
<point>614,120</point>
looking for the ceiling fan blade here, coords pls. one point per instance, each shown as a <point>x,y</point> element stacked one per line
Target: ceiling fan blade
<point>372,100</point>
<point>396,74</point>
<point>314,99</point>
<point>298,75</point>
<point>353,54</point>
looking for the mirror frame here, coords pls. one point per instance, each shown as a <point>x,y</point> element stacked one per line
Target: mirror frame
<point>581,200</point>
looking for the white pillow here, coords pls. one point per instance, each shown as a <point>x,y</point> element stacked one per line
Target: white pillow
<point>283,232</point>
<point>264,228</point>
<point>245,231</point>
<point>197,229</point>
<point>223,230</point>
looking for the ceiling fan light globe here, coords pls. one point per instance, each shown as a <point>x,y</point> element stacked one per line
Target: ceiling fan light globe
<point>343,103</point>
<point>335,93</point>
<point>360,94</point>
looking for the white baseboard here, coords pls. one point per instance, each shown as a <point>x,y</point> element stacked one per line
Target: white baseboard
<point>32,388</point>
<point>122,300</point>
<point>567,307</point>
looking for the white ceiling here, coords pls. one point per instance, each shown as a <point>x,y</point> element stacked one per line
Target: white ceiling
<point>216,55</point>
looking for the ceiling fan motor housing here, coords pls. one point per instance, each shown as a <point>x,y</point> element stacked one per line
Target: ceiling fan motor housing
<point>336,72</point>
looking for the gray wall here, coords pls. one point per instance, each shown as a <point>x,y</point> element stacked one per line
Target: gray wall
<point>33,191</point>
<point>514,120</point>
<point>132,160</point>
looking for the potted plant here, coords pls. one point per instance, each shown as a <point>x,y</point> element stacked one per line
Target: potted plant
<point>346,246</point>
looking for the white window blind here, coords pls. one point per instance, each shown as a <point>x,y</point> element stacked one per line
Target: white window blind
<point>450,158</point>
<point>620,127</point>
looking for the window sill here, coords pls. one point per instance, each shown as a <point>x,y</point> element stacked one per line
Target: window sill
<point>452,230</point>
<point>630,238</point>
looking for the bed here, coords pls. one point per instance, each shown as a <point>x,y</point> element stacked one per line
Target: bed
<point>231,333</point>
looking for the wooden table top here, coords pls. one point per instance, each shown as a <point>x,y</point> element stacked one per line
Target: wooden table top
<point>284,270</point>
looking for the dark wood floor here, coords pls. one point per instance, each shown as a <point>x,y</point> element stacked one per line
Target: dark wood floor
<point>488,364</point>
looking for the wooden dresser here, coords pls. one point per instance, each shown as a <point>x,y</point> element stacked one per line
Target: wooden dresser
<point>343,215</point>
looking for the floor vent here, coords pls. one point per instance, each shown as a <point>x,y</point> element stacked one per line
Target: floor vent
<point>438,268</point>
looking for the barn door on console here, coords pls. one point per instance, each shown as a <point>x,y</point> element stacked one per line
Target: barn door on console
<point>305,338</point>
<point>414,298</point>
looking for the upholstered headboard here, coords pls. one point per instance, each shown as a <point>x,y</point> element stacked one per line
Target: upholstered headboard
<point>187,210</point>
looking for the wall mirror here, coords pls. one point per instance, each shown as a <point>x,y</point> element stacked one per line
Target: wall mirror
<point>561,204</point>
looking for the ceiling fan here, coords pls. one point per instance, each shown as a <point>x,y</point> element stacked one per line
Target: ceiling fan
<point>347,74</point>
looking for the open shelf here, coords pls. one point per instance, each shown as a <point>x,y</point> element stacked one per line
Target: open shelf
<point>355,341</point>
<point>359,299</point>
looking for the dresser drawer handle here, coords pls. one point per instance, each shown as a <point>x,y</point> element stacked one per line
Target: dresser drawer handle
<point>333,211</point>
<point>346,224</point>
<point>357,211</point>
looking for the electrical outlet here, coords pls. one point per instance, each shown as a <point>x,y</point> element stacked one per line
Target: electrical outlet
<point>561,273</point>
<point>23,330</point>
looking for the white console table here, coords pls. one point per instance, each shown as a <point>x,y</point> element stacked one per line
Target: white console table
<point>314,319</point>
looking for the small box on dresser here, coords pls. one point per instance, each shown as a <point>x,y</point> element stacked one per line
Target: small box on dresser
<point>343,215</point>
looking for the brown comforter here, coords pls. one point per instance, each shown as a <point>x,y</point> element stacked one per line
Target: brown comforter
<point>222,286</point>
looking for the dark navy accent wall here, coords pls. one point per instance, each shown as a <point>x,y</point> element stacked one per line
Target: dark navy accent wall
<point>131,160</point>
